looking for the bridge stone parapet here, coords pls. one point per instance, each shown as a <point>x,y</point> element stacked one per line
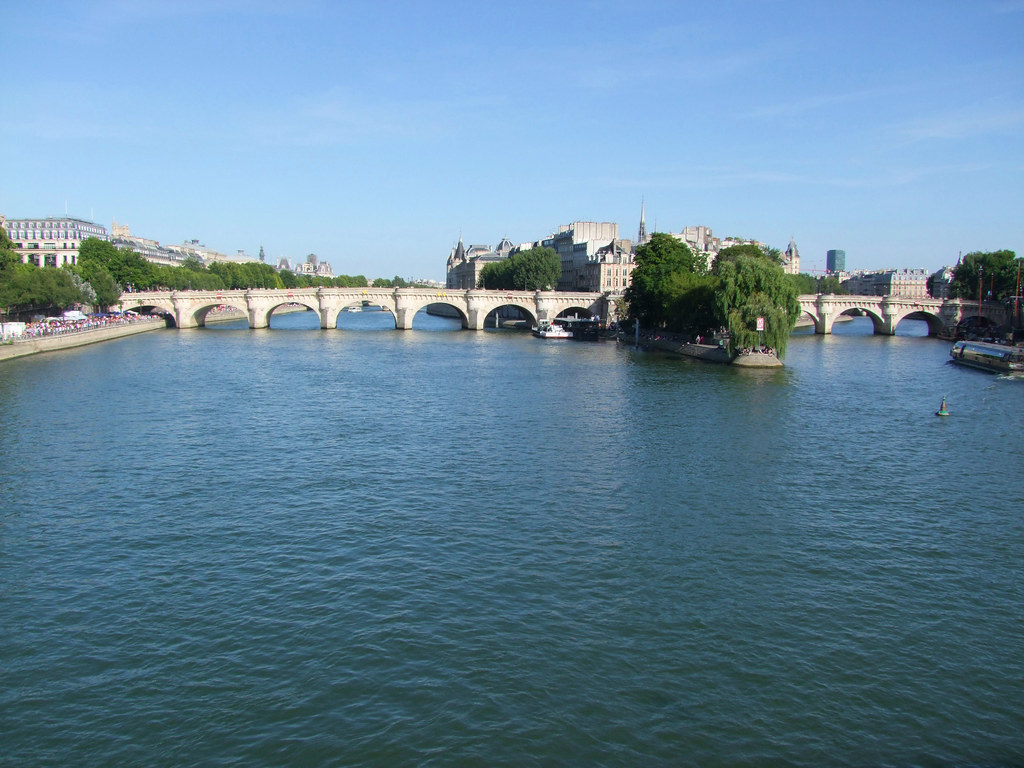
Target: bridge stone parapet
<point>190,308</point>
<point>886,312</point>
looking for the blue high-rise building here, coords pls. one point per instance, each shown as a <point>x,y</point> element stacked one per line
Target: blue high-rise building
<point>835,261</point>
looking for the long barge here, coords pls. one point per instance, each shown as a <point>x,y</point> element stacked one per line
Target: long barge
<point>995,358</point>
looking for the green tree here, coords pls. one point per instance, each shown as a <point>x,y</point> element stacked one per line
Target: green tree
<point>496,276</point>
<point>8,256</point>
<point>657,292</point>
<point>30,289</point>
<point>536,269</point>
<point>994,274</point>
<point>831,284</point>
<point>124,265</point>
<point>733,252</point>
<point>350,281</point>
<point>753,287</point>
<point>105,289</point>
<point>804,283</point>
<point>690,301</point>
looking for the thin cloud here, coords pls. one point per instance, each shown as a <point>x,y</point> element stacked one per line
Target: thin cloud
<point>817,103</point>
<point>342,117</point>
<point>965,124</point>
<point>722,178</point>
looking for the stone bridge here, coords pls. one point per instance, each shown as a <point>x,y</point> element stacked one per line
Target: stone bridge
<point>188,309</point>
<point>886,312</point>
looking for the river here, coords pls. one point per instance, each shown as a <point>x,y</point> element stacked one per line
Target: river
<point>369,547</point>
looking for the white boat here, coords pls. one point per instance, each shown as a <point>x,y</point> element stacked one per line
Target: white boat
<point>354,308</point>
<point>552,331</point>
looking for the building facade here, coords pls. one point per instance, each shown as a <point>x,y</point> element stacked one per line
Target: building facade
<point>53,241</point>
<point>313,267</point>
<point>910,283</point>
<point>701,240</point>
<point>465,264</point>
<point>835,261</point>
<point>122,237</point>
<point>592,256</point>
<point>940,283</point>
<point>791,258</point>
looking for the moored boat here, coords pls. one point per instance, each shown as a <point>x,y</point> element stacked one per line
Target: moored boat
<point>995,358</point>
<point>552,331</point>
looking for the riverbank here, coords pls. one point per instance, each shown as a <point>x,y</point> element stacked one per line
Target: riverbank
<point>24,347</point>
<point>709,353</point>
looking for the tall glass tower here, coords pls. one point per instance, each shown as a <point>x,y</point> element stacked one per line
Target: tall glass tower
<point>835,261</point>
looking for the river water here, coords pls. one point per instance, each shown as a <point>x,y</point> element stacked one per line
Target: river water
<point>437,547</point>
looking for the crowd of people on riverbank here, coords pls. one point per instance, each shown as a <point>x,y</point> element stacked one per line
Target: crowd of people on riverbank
<point>54,326</point>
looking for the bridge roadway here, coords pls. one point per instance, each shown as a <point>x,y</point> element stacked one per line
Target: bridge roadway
<point>188,309</point>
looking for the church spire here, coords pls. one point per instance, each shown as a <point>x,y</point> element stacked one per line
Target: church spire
<point>642,235</point>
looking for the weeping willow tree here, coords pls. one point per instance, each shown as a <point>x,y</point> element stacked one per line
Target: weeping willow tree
<point>752,287</point>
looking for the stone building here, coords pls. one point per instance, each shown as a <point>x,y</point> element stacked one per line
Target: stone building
<point>791,258</point>
<point>465,264</point>
<point>593,257</point>
<point>701,240</point>
<point>52,241</point>
<point>313,267</point>
<point>121,237</point>
<point>940,283</point>
<point>910,283</point>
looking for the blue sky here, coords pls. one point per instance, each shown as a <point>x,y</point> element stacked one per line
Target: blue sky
<point>375,134</point>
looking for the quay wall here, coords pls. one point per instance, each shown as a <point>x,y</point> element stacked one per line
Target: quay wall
<point>710,353</point>
<point>77,338</point>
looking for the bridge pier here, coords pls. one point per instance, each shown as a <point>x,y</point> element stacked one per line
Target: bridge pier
<point>257,318</point>
<point>183,316</point>
<point>477,312</point>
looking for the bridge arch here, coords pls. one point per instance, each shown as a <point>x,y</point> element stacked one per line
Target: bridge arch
<point>195,315</point>
<point>813,317</point>
<point>260,316</point>
<point>528,313</point>
<point>144,306</point>
<point>578,310</point>
<point>412,308</point>
<point>935,323</point>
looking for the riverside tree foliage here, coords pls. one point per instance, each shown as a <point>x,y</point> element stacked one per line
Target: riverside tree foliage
<point>537,269</point>
<point>26,289</point>
<point>672,289</point>
<point>104,271</point>
<point>805,283</point>
<point>130,270</point>
<point>993,273</point>
<point>753,287</point>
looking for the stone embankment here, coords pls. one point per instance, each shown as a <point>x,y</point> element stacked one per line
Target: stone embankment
<point>710,353</point>
<point>35,345</point>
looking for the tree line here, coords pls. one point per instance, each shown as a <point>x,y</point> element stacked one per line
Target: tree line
<point>994,275</point>
<point>103,272</point>
<point>537,269</point>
